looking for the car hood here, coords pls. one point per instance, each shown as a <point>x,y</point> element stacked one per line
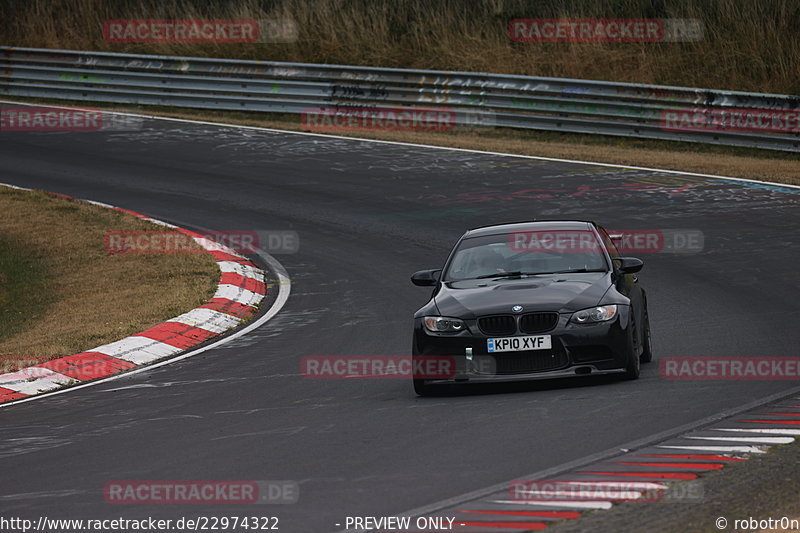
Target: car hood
<point>561,293</point>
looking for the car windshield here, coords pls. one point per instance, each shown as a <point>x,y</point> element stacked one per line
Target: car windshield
<point>511,255</point>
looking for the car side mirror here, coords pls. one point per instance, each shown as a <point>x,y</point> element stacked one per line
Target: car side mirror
<point>629,265</point>
<point>426,278</point>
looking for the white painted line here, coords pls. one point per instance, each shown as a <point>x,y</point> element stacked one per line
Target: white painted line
<point>636,485</point>
<point>15,186</point>
<point>156,221</point>
<point>417,145</point>
<point>208,319</point>
<point>718,449</point>
<point>33,379</point>
<point>574,495</point>
<point>568,505</point>
<point>100,204</point>
<point>754,440</point>
<point>767,431</point>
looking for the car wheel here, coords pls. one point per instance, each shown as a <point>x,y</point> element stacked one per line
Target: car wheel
<point>634,365</point>
<point>647,352</point>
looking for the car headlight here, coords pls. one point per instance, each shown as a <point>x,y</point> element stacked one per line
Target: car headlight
<point>601,313</point>
<point>443,324</point>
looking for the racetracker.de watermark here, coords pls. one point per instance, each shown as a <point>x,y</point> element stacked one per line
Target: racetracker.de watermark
<point>543,490</point>
<point>377,118</point>
<point>730,368</point>
<point>627,241</point>
<point>80,367</point>
<point>431,367</point>
<point>201,492</point>
<point>279,30</point>
<point>173,242</point>
<point>64,119</point>
<point>732,119</point>
<point>605,30</point>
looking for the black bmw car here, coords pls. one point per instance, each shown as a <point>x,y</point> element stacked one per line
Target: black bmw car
<point>531,300</point>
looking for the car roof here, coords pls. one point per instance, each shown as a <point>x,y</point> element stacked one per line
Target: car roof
<point>536,225</point>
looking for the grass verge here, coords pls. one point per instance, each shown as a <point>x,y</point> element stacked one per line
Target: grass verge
<point>750,46</point>
<point>23,294</point>
<point>61,293</point>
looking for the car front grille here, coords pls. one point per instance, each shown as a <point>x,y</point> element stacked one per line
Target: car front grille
<point>498,325</point>
<point>528,323</point>
<point>538,322</point>
<point>529,362</point>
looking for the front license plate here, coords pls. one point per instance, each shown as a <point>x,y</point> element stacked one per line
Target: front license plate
<point>519,344</point>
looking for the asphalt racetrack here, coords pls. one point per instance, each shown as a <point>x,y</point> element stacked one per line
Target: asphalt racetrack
<point>368,215</point>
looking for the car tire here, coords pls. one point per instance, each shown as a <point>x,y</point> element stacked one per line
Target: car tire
<point>422,388</point>
<point>647,351</point>
<point>633,366</point>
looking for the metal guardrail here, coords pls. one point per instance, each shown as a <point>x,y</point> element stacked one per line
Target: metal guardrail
<point>473,99</point>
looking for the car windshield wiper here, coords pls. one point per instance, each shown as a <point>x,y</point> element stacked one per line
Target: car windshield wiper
<point>576,270</point>
<point>517,273</point>
<point>514,274</point>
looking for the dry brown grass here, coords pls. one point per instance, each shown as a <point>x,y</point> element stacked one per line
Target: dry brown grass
<point>81,296</point>
<point>749,45</point>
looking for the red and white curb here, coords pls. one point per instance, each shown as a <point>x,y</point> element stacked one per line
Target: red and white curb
<point>650,473</point>
<point>240,290</point>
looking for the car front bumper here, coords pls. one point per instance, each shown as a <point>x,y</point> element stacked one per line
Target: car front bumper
<point>577,349</point>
